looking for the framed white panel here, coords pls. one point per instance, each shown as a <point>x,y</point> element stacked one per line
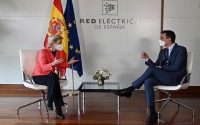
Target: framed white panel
<point>24,24</point>
<point>183,17</point>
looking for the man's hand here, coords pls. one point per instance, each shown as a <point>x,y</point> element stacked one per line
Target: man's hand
<point>144,55</point>
<point>72,61</point>
<point>57,61</point>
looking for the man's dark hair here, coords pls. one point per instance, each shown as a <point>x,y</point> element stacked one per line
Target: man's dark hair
<point>170,34</point>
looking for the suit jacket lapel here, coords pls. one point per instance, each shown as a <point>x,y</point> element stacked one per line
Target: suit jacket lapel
<point>173,49</point>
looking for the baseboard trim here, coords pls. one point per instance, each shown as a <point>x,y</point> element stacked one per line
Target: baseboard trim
<point>19,90</point>
<point>192,91</point>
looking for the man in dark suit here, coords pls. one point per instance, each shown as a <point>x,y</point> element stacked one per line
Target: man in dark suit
<point>169,69</point>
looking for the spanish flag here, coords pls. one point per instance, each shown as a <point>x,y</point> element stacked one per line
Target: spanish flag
<point>57,26</point>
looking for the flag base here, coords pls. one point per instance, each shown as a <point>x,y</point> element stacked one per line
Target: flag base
<point>74,93</point>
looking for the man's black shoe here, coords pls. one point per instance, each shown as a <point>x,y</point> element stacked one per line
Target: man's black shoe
<point>152,118</point>
<point>124,92</point>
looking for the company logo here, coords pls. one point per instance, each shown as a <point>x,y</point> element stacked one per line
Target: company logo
<point>109,22</point>
<point>110,7</point>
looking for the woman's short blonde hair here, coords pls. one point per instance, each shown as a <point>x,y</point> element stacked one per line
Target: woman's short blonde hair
<point>53,38</point>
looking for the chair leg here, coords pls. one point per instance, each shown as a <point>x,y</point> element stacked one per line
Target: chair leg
<point>161,109</point>
<point>27,105</point>
<point>164,105</point>
<point>66,95</point>
<point>184,106</point>
<point>166,101</point>
<point>45,104</point>
<point>169,99</point>
<point>67,107</point>
<point>161,100</point>
<point>37,101</point>
<point>39,105</point>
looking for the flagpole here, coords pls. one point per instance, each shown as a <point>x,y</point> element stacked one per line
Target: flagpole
<point>73,90</point>
<point>162,17</point>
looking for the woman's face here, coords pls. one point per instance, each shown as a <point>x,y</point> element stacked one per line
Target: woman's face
<point>54,44</point>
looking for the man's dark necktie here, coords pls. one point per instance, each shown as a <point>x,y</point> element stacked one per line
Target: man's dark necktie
<point>165,58</point>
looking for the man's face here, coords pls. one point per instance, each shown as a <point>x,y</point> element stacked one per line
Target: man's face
<point>165,39</point>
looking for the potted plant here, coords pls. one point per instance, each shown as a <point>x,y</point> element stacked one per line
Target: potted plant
<point>101,75</point>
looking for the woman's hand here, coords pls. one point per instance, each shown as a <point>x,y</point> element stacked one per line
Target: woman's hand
<point>72,61</point>
<point>57,61</point>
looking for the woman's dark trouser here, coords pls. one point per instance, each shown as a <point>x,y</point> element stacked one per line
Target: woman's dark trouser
<point>53,84</point>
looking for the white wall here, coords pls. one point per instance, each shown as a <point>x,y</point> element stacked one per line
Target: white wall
<point>23,24</point>
<point>183,16</point>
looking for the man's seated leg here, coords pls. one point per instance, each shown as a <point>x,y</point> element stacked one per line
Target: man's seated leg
<point>135,85</point>
<point>149,94</point>
<point>151,118</point>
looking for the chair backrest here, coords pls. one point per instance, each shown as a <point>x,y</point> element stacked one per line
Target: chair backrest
<point>186,79</point>
<point>28,60</point>
<point>189,62</point>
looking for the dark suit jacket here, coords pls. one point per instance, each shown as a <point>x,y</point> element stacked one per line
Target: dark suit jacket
<point>176,64</point>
